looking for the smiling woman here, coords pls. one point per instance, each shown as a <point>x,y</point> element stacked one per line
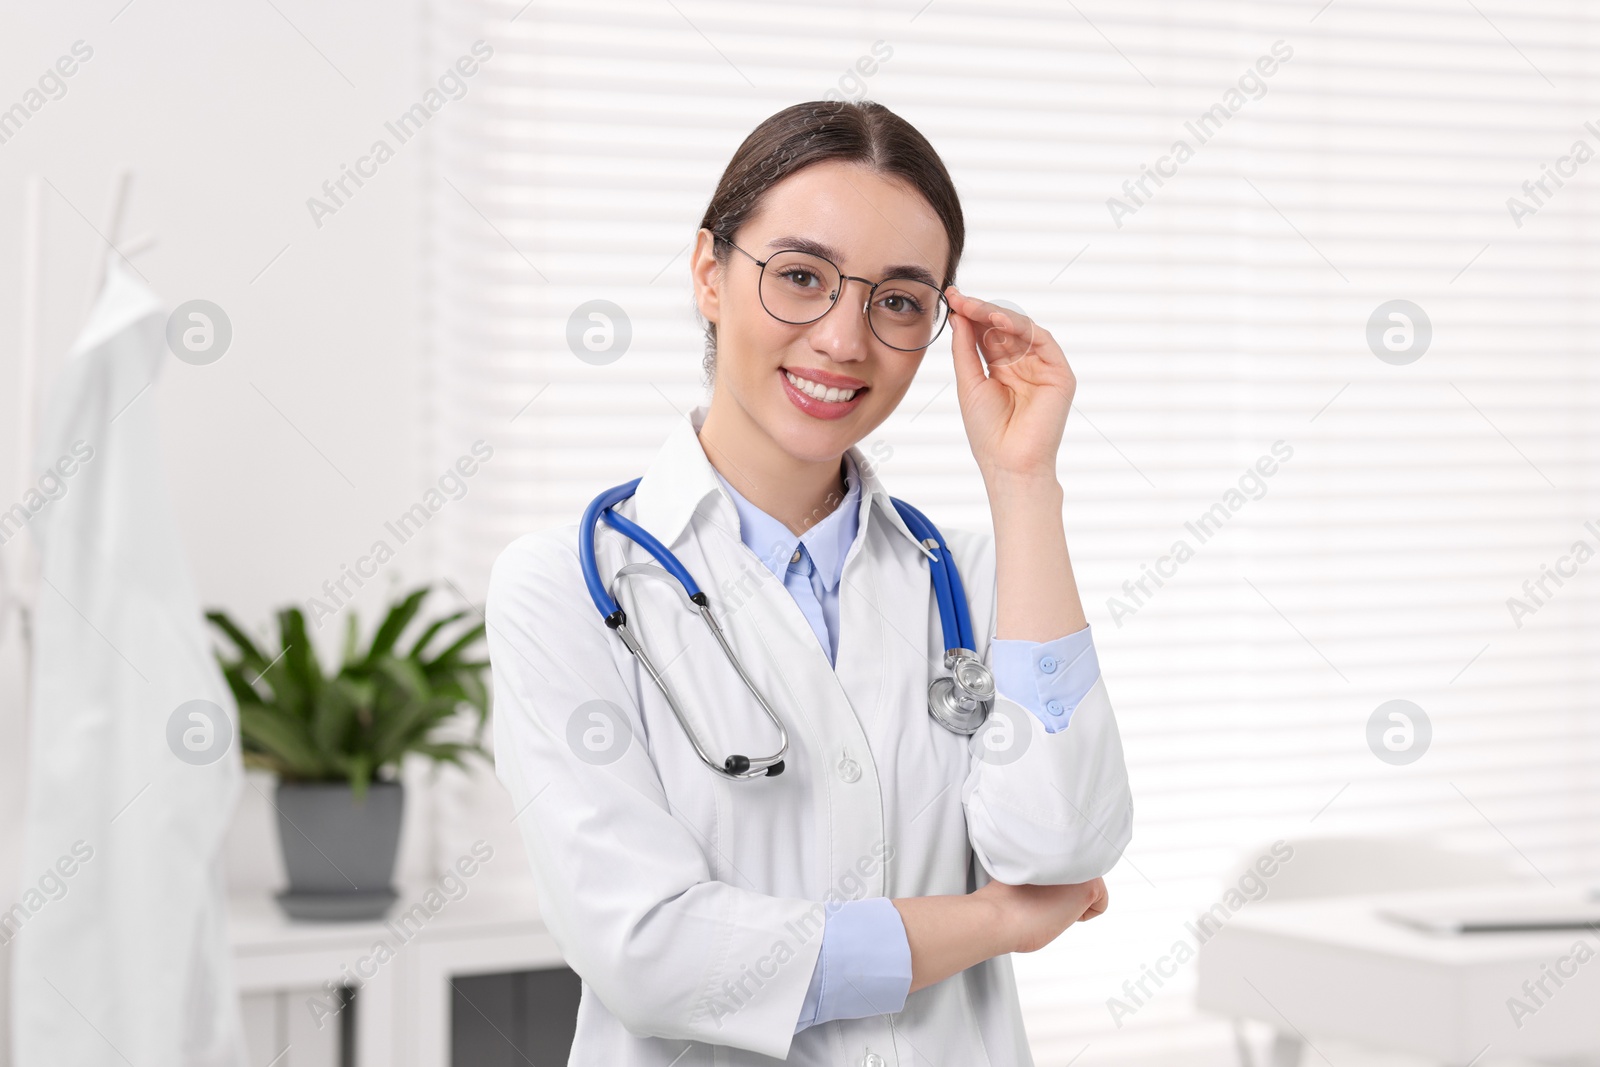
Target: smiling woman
<point>934,769</point>
<point>830,200</point>
<point>870,137</point>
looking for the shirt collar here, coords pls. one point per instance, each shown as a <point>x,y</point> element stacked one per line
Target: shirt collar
<point>680,483</point>
<point>827,540</point>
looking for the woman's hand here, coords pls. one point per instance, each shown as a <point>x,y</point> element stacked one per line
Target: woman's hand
<point>1034,915</point>
<point>947,934</point>
<point>1014,414</point>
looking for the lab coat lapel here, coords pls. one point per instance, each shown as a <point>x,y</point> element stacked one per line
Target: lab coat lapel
<point>878,602</point>
<point>678,484</point>
<point>679,480</point>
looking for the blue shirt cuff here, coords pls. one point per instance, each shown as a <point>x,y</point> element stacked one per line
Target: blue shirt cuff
<point>864,967</point>
<point>1049,678</point>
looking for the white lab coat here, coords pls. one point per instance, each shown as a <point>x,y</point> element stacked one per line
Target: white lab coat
<point>688,903</point>
<point>131,963</point>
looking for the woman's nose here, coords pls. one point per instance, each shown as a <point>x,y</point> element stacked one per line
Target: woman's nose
<point>844,332</point>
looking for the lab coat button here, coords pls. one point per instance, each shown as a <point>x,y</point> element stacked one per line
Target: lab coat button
<point>1048,664</point>
<point>849,769</point>
<point>872,1059</point>
<point>1055,708</point>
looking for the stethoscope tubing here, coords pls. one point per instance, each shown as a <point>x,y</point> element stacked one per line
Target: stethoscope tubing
<point>953,614</point>
<point>600,507</point>
<point>951,595</point>
<point>952,707</point>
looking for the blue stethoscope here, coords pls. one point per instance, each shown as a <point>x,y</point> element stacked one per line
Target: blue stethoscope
<point>960,702</point>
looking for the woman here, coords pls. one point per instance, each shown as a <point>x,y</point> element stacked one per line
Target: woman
<point>856,906</point>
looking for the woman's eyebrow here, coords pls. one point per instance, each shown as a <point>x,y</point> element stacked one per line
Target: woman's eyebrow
<point>814,247</point>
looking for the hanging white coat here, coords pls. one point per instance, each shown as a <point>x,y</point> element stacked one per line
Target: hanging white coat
<point>692,905</point>
<point>128,960</point>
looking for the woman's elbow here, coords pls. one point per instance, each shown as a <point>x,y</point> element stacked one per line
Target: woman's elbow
<point>1084,846</point>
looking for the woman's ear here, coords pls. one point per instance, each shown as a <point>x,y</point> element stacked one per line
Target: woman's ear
<point>706,274</point>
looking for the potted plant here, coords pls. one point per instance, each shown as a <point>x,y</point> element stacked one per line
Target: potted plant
<point>336,741</point>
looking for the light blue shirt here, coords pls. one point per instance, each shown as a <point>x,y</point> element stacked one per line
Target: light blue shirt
<point>864,967</point>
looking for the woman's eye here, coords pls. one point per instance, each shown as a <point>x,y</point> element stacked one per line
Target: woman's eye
<point>899,303</point>
<point>802,278</point>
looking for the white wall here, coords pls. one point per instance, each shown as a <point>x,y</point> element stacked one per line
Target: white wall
<point>287,455</point>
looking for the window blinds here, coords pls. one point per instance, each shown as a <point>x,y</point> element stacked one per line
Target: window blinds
<point>1355,520</point>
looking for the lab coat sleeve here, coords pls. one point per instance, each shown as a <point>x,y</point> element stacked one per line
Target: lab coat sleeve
<point>865,966</point>
<point>1041,810</point>
<point>623,885</point>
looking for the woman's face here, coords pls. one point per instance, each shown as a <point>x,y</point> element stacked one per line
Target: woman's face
<point>875,227</point>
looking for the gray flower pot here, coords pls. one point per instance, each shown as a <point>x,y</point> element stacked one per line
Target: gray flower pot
<point>339,852</point>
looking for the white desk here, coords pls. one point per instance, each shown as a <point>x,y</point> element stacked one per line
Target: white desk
<point>1332,967</point>
<point>403,1011</point>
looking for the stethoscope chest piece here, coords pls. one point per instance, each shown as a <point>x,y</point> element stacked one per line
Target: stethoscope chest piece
<point>962,702</point>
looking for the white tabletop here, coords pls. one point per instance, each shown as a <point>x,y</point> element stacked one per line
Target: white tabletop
<point>1334,967</point>
<point>256,924</point>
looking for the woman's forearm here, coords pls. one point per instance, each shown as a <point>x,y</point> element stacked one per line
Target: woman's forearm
<point>1036,590</point>
<point>948,934</point>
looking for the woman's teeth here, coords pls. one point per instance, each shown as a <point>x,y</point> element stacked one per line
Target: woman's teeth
<point>819,392</point>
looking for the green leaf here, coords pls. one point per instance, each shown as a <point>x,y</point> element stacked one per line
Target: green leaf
<point>351,636</point>
<point>396,736</point>
<point>359,769</point>
<point>452,751</point>
<point>409,729</point>
<point>297,676</point>
<point>336,715</point>
<point>427,635</point>
<point>377,707</point>
<point>406,673</point>
<point>239,682</point>
<point>399,617</point>
<point>249,654</point>
<point>465,641</point>
<point>285,738</point>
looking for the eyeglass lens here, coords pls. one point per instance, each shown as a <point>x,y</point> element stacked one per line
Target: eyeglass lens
<point>798,288</point>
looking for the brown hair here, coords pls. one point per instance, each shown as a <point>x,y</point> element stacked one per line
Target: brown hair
<point>845,130</point>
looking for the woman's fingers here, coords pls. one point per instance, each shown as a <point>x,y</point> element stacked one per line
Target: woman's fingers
<point>1006,335</point>
<point>984,311</point>
<point>964,348</point>
<point>1098,903</point>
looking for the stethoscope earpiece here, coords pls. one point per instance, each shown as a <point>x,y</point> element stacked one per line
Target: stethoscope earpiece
<point>738,766</point>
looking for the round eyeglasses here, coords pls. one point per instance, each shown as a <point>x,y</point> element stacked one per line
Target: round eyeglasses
<point>799,287</point>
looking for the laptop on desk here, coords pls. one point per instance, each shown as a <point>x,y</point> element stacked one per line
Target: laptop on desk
<point>1506,912</point>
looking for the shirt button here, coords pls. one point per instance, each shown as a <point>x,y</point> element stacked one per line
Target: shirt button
<point>796,557</point>
<point>1048,664</point>
<point>872,1059</point>
<point>849,769</point>
<point>1055,708</point>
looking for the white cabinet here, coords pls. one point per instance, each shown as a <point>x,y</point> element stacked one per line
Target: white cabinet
<point>402,965</point>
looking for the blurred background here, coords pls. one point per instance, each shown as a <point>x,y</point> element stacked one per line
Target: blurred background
<point>1335,428</point>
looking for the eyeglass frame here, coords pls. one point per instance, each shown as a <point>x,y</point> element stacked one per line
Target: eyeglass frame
<point>761,265</point>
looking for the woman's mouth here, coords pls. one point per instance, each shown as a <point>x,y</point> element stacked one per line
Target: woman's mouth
<point>818,400</point>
